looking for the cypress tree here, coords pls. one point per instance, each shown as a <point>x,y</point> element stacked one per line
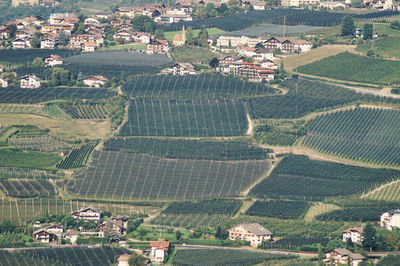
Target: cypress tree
<point>348,27</point>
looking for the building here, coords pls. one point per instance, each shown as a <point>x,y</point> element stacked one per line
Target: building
<point>53,60</point>
<point>123,260</point>
<point>43,236</point>
<point>30,82</point>
<point>82,40</point>
<point>235,41</point>
<point>3,82</point>
<point>183,69</point>
<point>117,225</point>
<point>95,81</point>
<point>342,256</point>
<point>47,43</point>
<point>180,39</point>
<point>125,35</point>
<point>87,214</point>
<point>4,33</point>
<point>391,219</point>
<point>158,47</point>
<point>333,5</point>
<point>22,43</point>
<point>252,232</point>
<point>16,3</point>
<point>158,250</point>
<point>72,235</point>
<point>355,234</point>
<point>298,3</point>
<point>91,21</point>
<point>288,46</point>
<point>1,68</point>
<point>88,47</point>
<point>57,28</point>
<point>173,18</point>
<point>254,73</point>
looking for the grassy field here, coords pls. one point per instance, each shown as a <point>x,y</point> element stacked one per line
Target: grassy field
<point>386,47</point>
<point>292,62</point>
<point>387,192</point>
<point>169,35</point>
<point>22,159</point>
<point>192,54</point>
<point>319,208</point>
<point>122,47</point>
<point>61,128</point>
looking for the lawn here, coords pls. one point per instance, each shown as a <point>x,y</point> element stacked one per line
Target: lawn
<point>61,128</point>
<point>192,54</point>
<point>23,159</point>
<point>211,31</point>
<point>127,46</point>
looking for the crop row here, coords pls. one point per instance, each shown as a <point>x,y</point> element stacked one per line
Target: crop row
<point>10,172</point>
<point>120,175</point>
<point>364,134</point>
<point>84,110</point>
<point>202,118</point>
<point>78,157</point>
<point>209,86</point>
<point>307,96</point>
<point>278,208</point>
<point>214,206</point>
<point>14,95</point>
<point>299,177</point>
<point>189,149</point>
<point>26,188</point>
<point>43,143</point>
<point>23,56</point>
<point>190,220</point>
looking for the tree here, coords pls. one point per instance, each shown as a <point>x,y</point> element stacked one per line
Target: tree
<point>178,234</point>
<point>356,4</point>
<point>189,36</point>
<point>59,76</point>
<point>7,227</point>
<point>68,221</point>
<point>63,38</point>
<point>348,28</point>
<point>203,37</point>
<point>395,25</point>
<point>210,10</point>
<point>282,72</point>
<point>223,9</point>
<point>137,260</point>
<point>38,62</point>
<point>349,243</point>
<point>320,255</point>
<point>368,31</point>
<point>369,235</point>
<point>143,23</point>
<point>214,62</point>
<point>35,42</point>
<point>218,234</point>
<point>159,34</point>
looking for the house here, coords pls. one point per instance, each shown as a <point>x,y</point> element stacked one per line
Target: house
<point>391,219</point>
<point>4,33</point>
<point>1,68</point>
<point>226,62</point>
<point>47,43</point>
<point>298,3</point>
<point>254,73</point>
<point>3,82</point>
<point>247,51</point>
<point>22,43</point>
<point>117,224</point>
<point>87,214</point>
<point>95,81</point>
<point>302,45</point>
<point>288,46</point>
<point>268,64</point>
<point>258,5</point>
<point>142,37</point>
<point>37,224</point>
<point>30,82</point>
<point>180,39</point>
<point>43,236</point>
<point>129,12</point>
<point>158,250</point>
<point>91,21</point>
<point>125,35</point>
<point>183,69</point>
<point>355,234</point>
<point>333,5</point>
<point>263,54</point>
<point>57,28</point>
<point>234,41</point>
<point>56,230</point>
<point>252,232</point>
<point>72,235</point>
<point>53,60</point>
<point>82,40</point>
<point>16,3</point>
<point>123,260</point>
<point>158,47</point>
<point>173,17</point>
<point>88,47</point>
<point>343,256</point>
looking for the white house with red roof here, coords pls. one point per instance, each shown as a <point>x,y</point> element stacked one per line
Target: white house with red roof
<point>53,60</point>
<point>96,81</point>
<point>354,233</point>
<point>158,250</point>
<point>30,82</point>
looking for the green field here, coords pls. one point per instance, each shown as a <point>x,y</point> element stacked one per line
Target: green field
<point>190,220</point>
<point>368,135</point>
<point>31,160</point>
<point>387,192</point>
<point>352,67</point>
<point>386,47</point>
<point>192,54</point>
<point>278,208</point>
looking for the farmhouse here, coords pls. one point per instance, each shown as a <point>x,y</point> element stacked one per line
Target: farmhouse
<point>30,82</point>
<point>117,224</point>
<point>3,82</point>
<point>95,81</point>
<point>343,256</point>
<point>22,43</point>
<point>125,35</point>
<point>53,60</point>
<point>158,47</point>
<point>391,219</point>
<point>43,236</point>
<point>76,42</point>
<point>4,33</point>
<point>158,250</point>
<point>87,214</point>
<point>72,235</point>
<point>123,260</point>
<point>254,233</point>
<point>355,234</point>
<point>288,46</point>
<point>47,43</point>
<point>183,69</point>
<point>254,73</point>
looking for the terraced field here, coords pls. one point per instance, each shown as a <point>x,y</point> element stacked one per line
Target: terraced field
<point>369,135</point>
<point>121,175</point>
<point>26,188</point>
<point>190,220</point>
<point>387,192</point>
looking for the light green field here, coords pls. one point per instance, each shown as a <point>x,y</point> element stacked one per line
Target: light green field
<point>388,192</point>
<point>211,31</point>
<point>387,47</point>
<point>122,47</point>
<point>27,159</point>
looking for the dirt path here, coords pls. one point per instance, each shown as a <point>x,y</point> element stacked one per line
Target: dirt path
<point>379,188</point>
<point>251,126</point>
